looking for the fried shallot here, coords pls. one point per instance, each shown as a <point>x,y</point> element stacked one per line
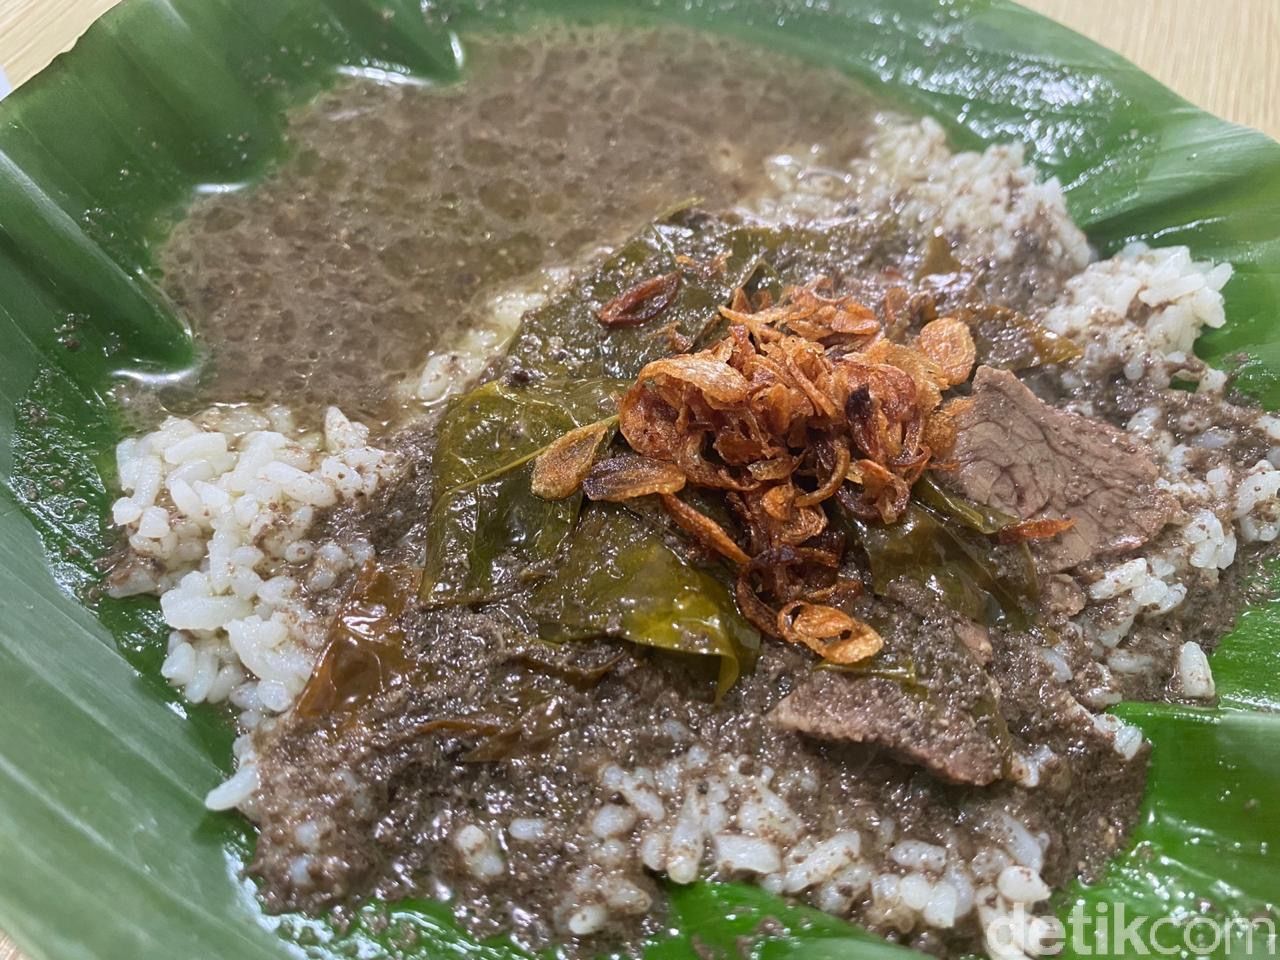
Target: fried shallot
<point>802,400</point>
<point>1042,529</point>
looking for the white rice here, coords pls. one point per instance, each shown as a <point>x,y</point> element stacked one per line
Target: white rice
<point>1224,505</point>
<point>703,816</point>
<point>480,851</point>
<point>456,363</point>
<point>218,510</point>
<point>1194,675</point>
<point>988,203</point>
<point>1139,312</point>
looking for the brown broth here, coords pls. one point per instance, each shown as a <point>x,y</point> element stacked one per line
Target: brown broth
<point>403,208</point>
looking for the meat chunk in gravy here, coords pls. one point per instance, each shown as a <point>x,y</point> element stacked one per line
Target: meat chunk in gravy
<point>944,718</point>
<point>1016,453</point>
<point>952,744</point>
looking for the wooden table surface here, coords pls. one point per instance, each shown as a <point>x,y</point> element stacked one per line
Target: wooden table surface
<point>1223,56</point>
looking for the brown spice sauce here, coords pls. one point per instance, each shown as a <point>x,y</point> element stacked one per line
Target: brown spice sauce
<point>403,208</point>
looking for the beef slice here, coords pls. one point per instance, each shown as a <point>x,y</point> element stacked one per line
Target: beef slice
<point>951,743</point>
<point>1017,454</point>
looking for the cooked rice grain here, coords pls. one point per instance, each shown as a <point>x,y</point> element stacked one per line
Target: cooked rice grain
<point>217,512</point>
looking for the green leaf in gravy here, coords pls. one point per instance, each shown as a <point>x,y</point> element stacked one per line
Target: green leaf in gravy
<point>565,338</point>
<point>976,516</point>
<point>488,532</point>
<point>619,579</point>
<point>954,560</point>
<point>1012,340</point>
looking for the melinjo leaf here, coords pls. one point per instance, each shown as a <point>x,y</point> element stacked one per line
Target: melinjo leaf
<point>620,579</point>
<point>488,532</point>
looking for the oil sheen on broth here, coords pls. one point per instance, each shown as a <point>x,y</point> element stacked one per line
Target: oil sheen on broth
<point>402,208</point>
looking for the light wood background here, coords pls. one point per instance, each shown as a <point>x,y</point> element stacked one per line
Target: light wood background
<point>1223,56</point>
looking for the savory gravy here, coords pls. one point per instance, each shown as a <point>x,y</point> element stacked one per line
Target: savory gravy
<point>403,208</point>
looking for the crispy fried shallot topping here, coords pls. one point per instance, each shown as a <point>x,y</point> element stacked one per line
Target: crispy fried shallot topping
<point>629,475</point>
<point>640,303</point>
<point>832,634</point>
<point>560,469</point>
<point>800,401</point>
<point>948,343</point>
<point>1045,529</point>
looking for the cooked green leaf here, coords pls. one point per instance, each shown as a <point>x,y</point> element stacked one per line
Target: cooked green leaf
<point>539,722</point>
<point>712,257</point>
<point>621,580</point>
<point>971,575</point>
<point>1012,340</point>
<point>955,507</point>
<point>488,532</point>
<point>364,650</point>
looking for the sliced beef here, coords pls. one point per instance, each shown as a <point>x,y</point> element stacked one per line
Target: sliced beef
<point>1016,453</point>
<point>943,713</point>
<point>951,743</point>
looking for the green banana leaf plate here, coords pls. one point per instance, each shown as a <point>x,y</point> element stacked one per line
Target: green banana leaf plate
<point>106,850</point>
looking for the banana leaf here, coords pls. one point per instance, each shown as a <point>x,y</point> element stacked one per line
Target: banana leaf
<point>105,849</point>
